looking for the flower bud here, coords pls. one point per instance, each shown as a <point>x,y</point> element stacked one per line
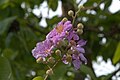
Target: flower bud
<point>70,13</point>
<point>65,42</point>
<point>79,31</point>
<point>49,72</point>
<point>72,42</point>
<point>80,26</point>
<point>69,58</point>
<point>58,52</point>
<point>64,19</point>
<point>81,7</point>
<point>45,62</point>
<point>39,60</point>
<point>70,51</point>
<point>51,60</point>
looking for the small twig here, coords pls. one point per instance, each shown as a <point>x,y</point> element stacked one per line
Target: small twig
<point>51,68</point>
<point>46,77</point>
<point>74,17</point>
<point>48,66</point>
<point>55,64</point>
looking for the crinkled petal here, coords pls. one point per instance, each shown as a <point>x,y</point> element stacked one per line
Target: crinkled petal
<point>64,59</point>
<point>42,49</point>
<point>67,23</point>
<point>60,23</point>
<point>76,37</point>
<point>76,64</point>
<point>81,42</point>
<point>69,37</point>
<point>83,58</point>
<point>62,35</point>
<point>75,56</point>
<point>68,27</point>
<point>51,34</point>
<point>80,49</point>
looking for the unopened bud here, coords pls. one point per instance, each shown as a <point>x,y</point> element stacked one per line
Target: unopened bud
<point>58,52</point>
<point>39,60</point>
<point>79,31</point>
<point>72,42</point>
<point>51,60</point>
<point>70,13</point>
<point>70,51</point>
<point>49,72</point>
<point>80,26</point>
<point>64,19</point>
<point>81,7</point>
<point>69,58</point>
<point>65,42</point>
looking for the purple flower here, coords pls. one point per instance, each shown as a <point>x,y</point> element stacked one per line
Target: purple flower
<point>76,64</point>
<point>81,42</point>
<point>78,59</point>
<point>42,49</point>
<point>64,59</point>
<point>72,35</point>
<point>59,32</point>
<point>77,54</point>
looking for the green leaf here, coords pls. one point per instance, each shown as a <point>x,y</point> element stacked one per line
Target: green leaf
<point>116,57</point>
<point>88,70</point>
<point>53,4</point>
<point>59,72</point>
<point>38,78</point>
<point>5,69</point>
<point>9,53</point>
<point>3,1</point>
<point>4,24</point>
<point>107,4</point>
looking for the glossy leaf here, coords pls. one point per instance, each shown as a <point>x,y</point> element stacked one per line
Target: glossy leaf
<point>3,1</point>
<point>5,24</point>
<point>116,56</point>
<point>59,72</point>
<point>5,69</point>
<point>38,78</point>
<point>89,71</point>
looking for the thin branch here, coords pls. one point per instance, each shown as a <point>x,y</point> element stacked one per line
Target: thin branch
<point>52,69</point>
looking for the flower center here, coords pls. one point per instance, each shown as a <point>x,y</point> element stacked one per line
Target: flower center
<point>59,29</point>
<point>46,51</point>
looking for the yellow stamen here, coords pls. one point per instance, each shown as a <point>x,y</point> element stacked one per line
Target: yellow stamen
<point>59,28</point>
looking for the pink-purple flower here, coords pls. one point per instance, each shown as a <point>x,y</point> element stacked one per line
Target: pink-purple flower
<point>60,31</point>
<point>63,30</point>
<point>43,49</point>
<point>77,54</point>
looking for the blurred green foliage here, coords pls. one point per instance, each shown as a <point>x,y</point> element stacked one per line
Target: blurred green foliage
<point>20,31</point>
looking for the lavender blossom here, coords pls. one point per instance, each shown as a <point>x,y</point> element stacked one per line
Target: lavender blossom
<point>78,57</point>
<point>72,36</point>
<point>77,54</point>
<point>42,49</point>
<point>59,32</point>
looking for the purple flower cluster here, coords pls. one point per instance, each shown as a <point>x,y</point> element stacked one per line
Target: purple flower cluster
<point>59,32</point>
<point>74,50</point>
